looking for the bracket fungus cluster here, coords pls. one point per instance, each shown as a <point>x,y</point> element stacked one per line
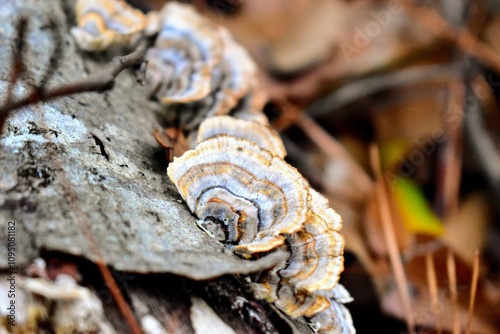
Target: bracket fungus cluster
<point>236,182</point>
<point>235,178</point>
<point>194,67</point>
<point>197,68</point>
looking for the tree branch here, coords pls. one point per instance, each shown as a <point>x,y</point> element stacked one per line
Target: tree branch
<point>96,83</point>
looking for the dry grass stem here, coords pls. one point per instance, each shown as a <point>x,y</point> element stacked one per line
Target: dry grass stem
<point>433,290</point>
<point>390,238</point>
<point>96,83</point>
<point>452,155</point>
<point>473,290</point>
<point>452,286</point>
<point>335,151</point>
<point>463,39</point>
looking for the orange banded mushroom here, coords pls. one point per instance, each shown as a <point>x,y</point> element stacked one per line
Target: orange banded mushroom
<point>244,192</point>
<point>264,136</point>
<point>297,304</point>
<point>103,23</point>
<point>239,75</point>
<point>182,61</point>
<point>247,196</point>
<point>233,78</point>
<point>316,250</point>
<point>336,318</point>
<point>317,257</point>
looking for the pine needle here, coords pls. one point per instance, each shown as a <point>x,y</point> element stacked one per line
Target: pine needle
<point>433,290</point>
<point>473,290</point>
<point>390,238</point>
<point>452,280</point>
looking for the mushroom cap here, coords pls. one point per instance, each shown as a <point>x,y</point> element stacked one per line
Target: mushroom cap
<point>321,207</point>
<point>232,80</point>
<point>102,23</point>
<point>253,195</point>
<point>262,135</point>
<point>198,70</point>
<point>297,304</point>
<point>273,288</point>
<point>325,312</point>
<point>336,318</point>
<point>317,257</point>
<point>239,76</point>
<point>187,49</point>
<point>307,282</point>
<point>317,250</point>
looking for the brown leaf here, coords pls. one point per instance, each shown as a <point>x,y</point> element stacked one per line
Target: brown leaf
<point>467,230</point>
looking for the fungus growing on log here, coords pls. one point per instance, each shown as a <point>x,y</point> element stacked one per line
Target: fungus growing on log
<point>249,195</point>
<point>186,51</point>
<point>103,23</point>
<point>234,179</point>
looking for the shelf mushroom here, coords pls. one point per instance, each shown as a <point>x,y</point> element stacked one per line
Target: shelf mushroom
<point>206,77</point>
<point>249,197</point>
<point>307,283</point>
<point>262,135</point>
<point>103,23</point>
<point>195,68</point>
<point>244,193</point>
<point>186,51</point>
<point>317,250</point>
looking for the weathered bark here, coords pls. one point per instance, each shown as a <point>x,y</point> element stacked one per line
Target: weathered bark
<point>82,175</point>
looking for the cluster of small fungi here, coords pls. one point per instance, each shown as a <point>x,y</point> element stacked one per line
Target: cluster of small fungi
<point>234,179</point>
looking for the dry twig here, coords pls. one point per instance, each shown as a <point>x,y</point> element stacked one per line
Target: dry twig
<point>96,83</point>
<point>55,57</point>
<point>452,286</point>
<point>473,289</point>
<point>462,38</point>
<point>17,58</point>
<point>451,164</point>
<point>433,289</point>
<point>390,239</point>
<point>365,87</point>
